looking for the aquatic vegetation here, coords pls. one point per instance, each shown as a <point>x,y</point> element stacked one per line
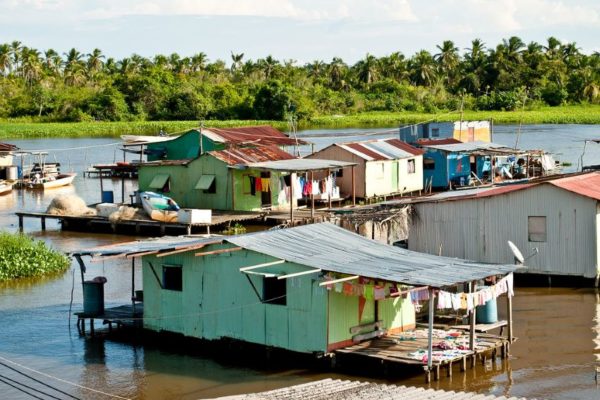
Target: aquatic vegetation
<point>21,256</point>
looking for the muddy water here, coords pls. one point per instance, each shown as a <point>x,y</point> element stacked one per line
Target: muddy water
<point>554,357</point>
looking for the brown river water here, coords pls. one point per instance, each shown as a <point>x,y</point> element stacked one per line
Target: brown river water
<point>558,329</point>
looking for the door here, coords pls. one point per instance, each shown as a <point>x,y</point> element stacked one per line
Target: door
<point>395,176</point>
<point>471,134</point>
<point>265,195</point>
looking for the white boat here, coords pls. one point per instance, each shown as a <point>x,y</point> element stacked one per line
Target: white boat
<point>5,187</point>
<point>51,181</point>
<point>159,207</point>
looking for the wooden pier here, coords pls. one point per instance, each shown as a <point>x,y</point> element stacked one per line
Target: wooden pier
<point>128,315</point>
<point>137,226</point>
<point>411,349</point>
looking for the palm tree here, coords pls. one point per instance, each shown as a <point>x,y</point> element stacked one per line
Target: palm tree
<point>52,61</point>
<point>423,68</point>
<point>447,60</point>
<point>337,73</point>
<point>198,62</point>
<point>368,69</point>
<point>5,59</point>
<point>237,63</point>
<point>73,59</point>
<point>268,66</point>
<point>15,50</point>
<point>94,61</point>
<point>31,66</point>
<point>393,66</point>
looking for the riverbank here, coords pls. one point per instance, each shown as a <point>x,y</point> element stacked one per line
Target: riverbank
<point>26,129</point>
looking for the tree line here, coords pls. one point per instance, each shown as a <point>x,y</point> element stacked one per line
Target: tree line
<point>76,86</point>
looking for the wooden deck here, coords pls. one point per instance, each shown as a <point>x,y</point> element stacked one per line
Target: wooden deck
<point>410,348</point>
<point>126,315</point>
<point>137,226</point>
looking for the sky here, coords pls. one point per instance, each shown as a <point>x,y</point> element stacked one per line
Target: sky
<point>300,30</point>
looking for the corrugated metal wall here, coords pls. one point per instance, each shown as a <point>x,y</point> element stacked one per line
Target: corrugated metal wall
<point>217,301</point>
<point>478,229</point>
<point>344,182</point>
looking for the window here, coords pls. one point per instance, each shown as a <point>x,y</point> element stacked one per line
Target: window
<point>172,277</point>
<point>435,132</point>
<point>339,173</point>
<point>207,183</point>
<point>212,188</point>
<point>411,166</point>
<point>536,229</point>
<point>274,291</point>
<point>428,163</point>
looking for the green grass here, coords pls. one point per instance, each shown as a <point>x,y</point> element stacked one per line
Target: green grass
<point>25,129</point>
<point>23,257</point>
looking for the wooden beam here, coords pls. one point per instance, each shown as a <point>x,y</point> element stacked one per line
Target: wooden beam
<point>219,251</point>
<point>268,264</point>
<point>348,278</point>
<point>182,250</point>
<point>312,271</point>
<point>472,316</point>
<point>265,274</point>
<point>143,253</point>
<point>104,258</point>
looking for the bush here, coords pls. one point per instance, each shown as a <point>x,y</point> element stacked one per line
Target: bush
<point>21,257</point>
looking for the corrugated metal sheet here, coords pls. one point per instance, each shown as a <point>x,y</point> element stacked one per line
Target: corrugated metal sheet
<point>300,164</point>
<point>427,142</point>
<point>478,228</point>
<point>469,147</point>
<point>587,185</point>
<point>258,135</point>
<point>381,149</point>
<point>332,248</point>
<point>8,147</point>
<point>155,244</point>
<point>327,389</point>
<point>247,155</point>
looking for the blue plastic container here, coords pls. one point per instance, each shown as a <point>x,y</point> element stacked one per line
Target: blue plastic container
<point>108,196</point>
<point>487,313</point>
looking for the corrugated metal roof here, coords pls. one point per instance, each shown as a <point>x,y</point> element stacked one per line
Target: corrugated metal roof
<point>327,389</point>
<point>335,249</point>
<point>427,142</point>
<point>8,147</point>
<point>247,155</point>
<point>259,135</point>
<point>470,147</point>
<point>381,149</point>
<point>300,165</point>
<point>587,185</point>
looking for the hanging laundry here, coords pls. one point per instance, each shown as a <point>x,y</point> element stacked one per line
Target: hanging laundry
<point>348,289</point>
<point>339,286</point>
<point>252,185</point>
<point>265,184</point>
<point>369,292</point>
<point>258,184</point>
<point>379,293</point>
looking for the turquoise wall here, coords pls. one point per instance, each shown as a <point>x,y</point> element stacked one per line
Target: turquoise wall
<point>217,301</point>
<point>184,147</point>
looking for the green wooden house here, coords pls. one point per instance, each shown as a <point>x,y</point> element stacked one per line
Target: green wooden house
<point>196,142</point>
<point>211,182</point>
<point>310,289</point>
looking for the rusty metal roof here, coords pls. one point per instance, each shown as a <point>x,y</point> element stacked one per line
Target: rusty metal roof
<point>8,147</point>
<point>427,142</point>
<point>257,135</point>
<point>381,149</point>
<point>587,185</point>
<point>247,155</point>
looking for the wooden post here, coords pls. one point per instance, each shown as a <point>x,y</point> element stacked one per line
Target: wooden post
<point>472,316</point>
<point>312,196</point>
<point>20,223</point>
<point>510,318</point>
<point>329,191</point>
<point>101,185</point>
<point>353,187</point>
<point>133,283</point>
<point>292,199</point>
<point>43,219</point>
<point>430,333</point>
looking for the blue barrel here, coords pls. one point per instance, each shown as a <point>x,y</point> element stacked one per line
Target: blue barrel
<point>108,196</point>
<point>93,298</point>
<point>487,313</point>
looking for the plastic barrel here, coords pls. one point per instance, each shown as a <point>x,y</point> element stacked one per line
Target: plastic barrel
<point>12,173</point>
<point>108,196</point>
<point>93,298</point>
<point>487,313</point>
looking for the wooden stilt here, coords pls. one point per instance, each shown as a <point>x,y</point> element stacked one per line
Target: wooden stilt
<point>463,364</point>
<point>43,220</point>
<point>449,372</point>
<point>436,372</point>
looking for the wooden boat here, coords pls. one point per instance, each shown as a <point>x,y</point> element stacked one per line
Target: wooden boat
<point>159,207</point>
<point>5,187</point>
<point>51,181</point>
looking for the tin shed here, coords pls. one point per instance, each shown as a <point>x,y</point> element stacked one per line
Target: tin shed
<point>384,167</point>
<point>560,217</point>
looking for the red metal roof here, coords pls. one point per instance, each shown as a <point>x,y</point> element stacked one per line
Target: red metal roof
<point>8,147</point>
<point>405,146</point>
<point>259,135</point>
<point>376,149</point>
<point>504,189</point>
<point>364,150</point>
<point>246,155</point>
<point>587,185</point>
<point>429,142</point>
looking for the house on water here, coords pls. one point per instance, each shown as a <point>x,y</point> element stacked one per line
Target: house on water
<point>465,131</point>
<point>310,289</point>
<point>383,167</point>
<point>560,217</point>
<point>238,178</point>
<point>199,141</point>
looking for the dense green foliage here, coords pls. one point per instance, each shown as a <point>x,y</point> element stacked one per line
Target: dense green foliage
<point>90,87</point>
<point>21,257</point>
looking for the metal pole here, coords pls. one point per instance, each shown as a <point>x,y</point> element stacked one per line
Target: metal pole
<point>472,317</point>
<point>133,283</point>
<point>353,187</point>
<point>292,176</point>
<point>312,196</point>
<point>430,333</point>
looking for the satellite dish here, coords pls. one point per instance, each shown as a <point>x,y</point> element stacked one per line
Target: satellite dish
<point>516,252</point>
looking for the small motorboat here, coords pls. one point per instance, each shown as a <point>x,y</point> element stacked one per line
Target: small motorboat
<point>159,207</point>
<point>51,181</point>
<point>5,187</point>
